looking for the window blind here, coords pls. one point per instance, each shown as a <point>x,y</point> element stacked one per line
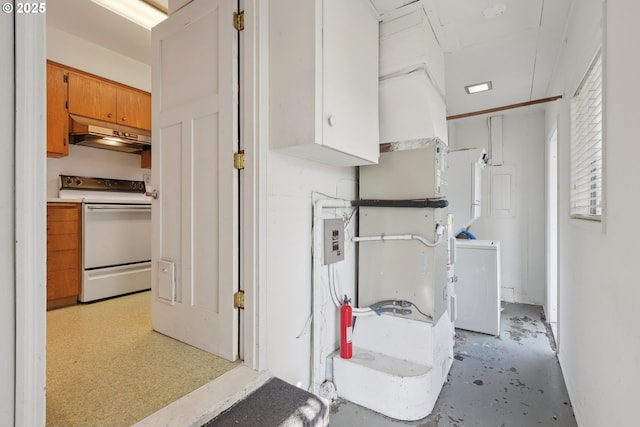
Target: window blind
<point>586,145</point>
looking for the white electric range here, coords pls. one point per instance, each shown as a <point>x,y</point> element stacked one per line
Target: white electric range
<point>116,235</point>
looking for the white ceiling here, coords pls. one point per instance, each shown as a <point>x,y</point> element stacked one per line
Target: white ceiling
<point>89,21</point>
<point>517,50</point>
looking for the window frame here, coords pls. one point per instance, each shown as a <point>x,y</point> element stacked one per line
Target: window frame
<point>587,144</point>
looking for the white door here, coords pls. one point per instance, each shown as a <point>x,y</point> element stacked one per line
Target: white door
<point>195,218</point>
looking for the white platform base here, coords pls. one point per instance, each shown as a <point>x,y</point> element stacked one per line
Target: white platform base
<point>398,365</point>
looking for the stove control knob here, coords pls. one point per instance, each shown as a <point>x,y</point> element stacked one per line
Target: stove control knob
<point>68,180</point>
<point>78,181</point>
<point>107,183</point>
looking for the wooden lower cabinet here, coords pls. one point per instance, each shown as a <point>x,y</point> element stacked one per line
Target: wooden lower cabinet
<point>64,254</point>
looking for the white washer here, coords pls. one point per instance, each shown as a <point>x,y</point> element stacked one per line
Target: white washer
<point>477,266</point>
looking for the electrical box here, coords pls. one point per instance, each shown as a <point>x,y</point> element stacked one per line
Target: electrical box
<point>333,240</point>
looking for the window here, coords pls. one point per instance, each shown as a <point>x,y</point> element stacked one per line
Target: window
<point>586,145</point>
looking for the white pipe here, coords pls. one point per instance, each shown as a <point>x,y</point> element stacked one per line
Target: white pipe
<point>384,237</point>
<point>335,295</point>
<point>318,207</point>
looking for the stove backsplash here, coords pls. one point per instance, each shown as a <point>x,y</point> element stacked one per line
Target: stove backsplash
<point>86,161</point>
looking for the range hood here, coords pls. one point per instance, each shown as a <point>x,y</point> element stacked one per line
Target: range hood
<point>107,135</point>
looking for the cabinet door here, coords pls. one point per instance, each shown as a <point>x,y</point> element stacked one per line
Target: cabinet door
<point>134,108</point>
<point>324,80</point>
<point>91,97</point>
<point>57,119</point>
<point>350,78</point>
<point>64,253</point>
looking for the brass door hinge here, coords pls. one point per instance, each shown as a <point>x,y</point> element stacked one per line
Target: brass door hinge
<point>238,20</point>
<point>238,160</point>
<point>238,300</point>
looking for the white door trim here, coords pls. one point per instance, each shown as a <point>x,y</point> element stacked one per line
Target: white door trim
<point>254,119</point>
<point>30,219</point>
<point>551,194</point>
<point>7,229</point>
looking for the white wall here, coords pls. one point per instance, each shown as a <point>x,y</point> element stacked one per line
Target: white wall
<point>87,161</point>
<point>7,235</point>
<point>75,52</point>
<point>514,215</point>
<point>599,349</point>
<point>289,238</point>
<point>69,50</point>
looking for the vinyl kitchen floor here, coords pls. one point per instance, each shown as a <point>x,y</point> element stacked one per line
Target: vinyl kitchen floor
<point>513,380</point>
<point>107,367</point>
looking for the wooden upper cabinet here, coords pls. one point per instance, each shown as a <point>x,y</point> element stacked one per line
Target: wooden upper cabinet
<point>134,108</point>
<point>57,116</point>
<point>91,97</point>
<point>100,99</point>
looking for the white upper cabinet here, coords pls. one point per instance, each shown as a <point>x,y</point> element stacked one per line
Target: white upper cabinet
<point>324,80</point>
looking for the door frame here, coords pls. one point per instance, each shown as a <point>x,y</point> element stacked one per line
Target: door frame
<point>30,162</point>
<point>552,242</point>
<point>254,139</point>
<point>30,219</point>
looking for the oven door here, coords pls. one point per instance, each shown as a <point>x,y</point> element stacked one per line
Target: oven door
<point>116,234</point>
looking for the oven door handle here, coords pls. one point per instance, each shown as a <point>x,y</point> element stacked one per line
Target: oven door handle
<point>119,208</point>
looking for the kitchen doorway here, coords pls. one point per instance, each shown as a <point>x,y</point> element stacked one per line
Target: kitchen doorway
<point>254,95</point>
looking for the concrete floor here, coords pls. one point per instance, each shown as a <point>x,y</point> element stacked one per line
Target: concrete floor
<point>513,380</point>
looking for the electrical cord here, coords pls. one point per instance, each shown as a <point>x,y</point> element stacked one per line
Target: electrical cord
<point>423,313</point>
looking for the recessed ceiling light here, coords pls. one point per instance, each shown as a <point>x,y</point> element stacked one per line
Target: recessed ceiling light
<point>478,87</point>
<point>137,11</point>
<point>494,11</point>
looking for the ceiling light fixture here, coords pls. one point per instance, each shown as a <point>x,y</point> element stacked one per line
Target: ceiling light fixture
<point>136,11</point>
<point>478,87</point>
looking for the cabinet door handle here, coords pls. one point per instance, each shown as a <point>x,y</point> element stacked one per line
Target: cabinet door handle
<point>64,142</point>
<point>124,119</point>
<point>109,115</point>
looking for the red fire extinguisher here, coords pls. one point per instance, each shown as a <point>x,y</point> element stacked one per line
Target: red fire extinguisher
<point>346,323</point>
